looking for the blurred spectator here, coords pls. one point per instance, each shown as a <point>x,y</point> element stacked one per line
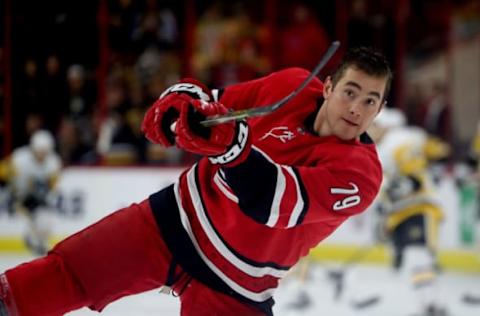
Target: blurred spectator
<point>2,96</point>
<point>207,40</point>
<point>81,96</point>
<point>27,110</point>
<point>77,136</point>
<point>157,27</point>
<point>143,40</point>
<point>53,92</point>
<point>33,122</point>
<point>360,28</point>
<point>239,58</point>
<point>168,28</point>
<point>156,70</point>
<point>123,17</point>
<point>148,63</point>
<point>302,40</point>
<point>414,103</point>
<point>118,142</point>
<point>436,114</point>
<point>428,23</point>
<point>72,147</point>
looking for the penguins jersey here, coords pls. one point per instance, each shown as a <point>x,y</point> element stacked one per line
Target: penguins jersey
<point>249,224</point>
<point>411,195</point>
<point>408,189</point>
<point>27,175</point>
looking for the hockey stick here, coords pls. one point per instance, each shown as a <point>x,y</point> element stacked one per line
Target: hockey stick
<point>263,110</point>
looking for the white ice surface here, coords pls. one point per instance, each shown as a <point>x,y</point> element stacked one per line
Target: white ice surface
<point>362,282</point>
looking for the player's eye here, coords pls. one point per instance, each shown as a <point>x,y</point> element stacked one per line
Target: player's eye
<point>349,93</point>
<point>371,101</point>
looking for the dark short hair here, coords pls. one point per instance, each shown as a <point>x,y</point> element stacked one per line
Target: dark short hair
<point>367,60</point>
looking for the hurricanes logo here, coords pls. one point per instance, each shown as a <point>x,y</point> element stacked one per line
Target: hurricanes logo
<point>281,132</point>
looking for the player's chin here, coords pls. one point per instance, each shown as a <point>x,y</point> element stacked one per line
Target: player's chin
<point>348,133</point>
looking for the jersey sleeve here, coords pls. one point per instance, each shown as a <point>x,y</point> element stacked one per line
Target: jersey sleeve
<point>264,91</point>
<point>283,196</point>
<point>338,190</point>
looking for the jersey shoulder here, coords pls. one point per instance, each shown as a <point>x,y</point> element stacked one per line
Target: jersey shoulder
<point>356,161</point>
<point>293,77</point>
<point>21,156</point>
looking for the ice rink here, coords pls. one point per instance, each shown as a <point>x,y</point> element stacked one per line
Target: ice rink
<point>362,283</point>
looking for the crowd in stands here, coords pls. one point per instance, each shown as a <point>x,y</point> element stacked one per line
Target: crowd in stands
<point>55,75</point>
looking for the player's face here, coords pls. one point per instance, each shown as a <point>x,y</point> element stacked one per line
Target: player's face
<point>352,104</point>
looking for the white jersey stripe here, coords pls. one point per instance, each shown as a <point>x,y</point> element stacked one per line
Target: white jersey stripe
<point>223,187</point>
<point>257,297</point>
<point>277,198</point>
<point>215,94</point>
<point>279,191</point>
<point>217,242</point>
<point>297,210</point>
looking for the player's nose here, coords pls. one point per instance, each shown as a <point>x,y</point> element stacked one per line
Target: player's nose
<point>354,109</point>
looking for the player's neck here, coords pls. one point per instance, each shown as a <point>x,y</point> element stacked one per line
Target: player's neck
<point>320,125</point>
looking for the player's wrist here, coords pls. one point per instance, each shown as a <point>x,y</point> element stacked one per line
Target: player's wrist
<point>238,150</point>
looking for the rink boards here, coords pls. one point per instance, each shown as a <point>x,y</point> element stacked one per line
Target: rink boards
<point>87,194</point>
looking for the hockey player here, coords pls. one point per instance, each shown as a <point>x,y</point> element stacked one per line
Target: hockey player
<point>409,205</point>
<point>31,173</point>
<point>234,223</point>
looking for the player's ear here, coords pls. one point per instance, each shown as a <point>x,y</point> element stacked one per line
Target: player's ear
<point>327,87</point>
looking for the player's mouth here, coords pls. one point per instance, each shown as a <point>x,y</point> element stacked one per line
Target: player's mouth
<point>349,122</point>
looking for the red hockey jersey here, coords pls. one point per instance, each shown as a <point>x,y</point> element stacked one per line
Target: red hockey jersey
<point>239,229</point>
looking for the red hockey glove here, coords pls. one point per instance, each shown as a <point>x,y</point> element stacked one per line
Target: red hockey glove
<point>227,143</point>
<point>166,110</point>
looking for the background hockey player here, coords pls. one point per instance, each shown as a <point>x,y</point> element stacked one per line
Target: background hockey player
<point>230,228</point>
<point>409,204</point>
<point>30,175</point>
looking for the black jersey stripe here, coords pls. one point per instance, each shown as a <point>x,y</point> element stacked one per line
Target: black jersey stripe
<point>248,261</point>
<point>167,216</point>
<point>254,182</point>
